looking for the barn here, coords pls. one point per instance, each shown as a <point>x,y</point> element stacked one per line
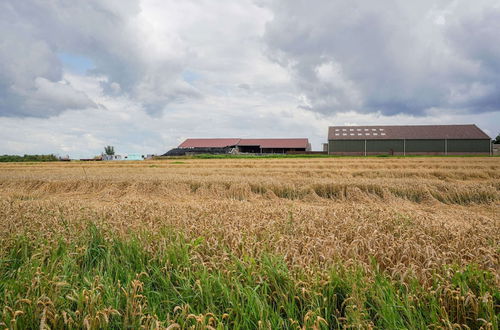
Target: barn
<point>265,146</point>
<point>408,140</point>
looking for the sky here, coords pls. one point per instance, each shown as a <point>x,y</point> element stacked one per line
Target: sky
<point>143,75</point>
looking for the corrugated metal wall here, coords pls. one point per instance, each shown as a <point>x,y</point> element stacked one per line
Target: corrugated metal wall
<point>385,146</point>
<point>425,146</point>
<point>412,146</point>
<point>346,146</point>
<point>469,145</point>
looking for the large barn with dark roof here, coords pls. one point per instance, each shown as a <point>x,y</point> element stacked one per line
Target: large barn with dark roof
<point>408,140</point>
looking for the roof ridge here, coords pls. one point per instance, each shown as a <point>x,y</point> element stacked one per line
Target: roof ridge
<point>404,125</point>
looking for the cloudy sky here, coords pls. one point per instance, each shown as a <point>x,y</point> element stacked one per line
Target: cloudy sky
<point>143,75</point>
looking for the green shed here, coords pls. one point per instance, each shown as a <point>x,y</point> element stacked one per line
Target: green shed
<point>408,140</point>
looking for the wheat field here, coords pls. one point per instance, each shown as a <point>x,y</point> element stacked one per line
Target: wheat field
<point>385,243</point>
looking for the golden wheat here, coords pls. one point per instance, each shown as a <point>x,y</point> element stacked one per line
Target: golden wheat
<point>412,216</point>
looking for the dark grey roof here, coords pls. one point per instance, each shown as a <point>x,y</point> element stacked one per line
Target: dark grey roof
<point>406,132</point>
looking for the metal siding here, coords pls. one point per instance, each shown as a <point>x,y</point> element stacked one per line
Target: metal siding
<point>384,145</point>
<point>425,146</point>
<point>468,145</point>
<point>346,145</point>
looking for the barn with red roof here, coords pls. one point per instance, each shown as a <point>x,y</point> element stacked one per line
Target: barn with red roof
<point>264,146</point>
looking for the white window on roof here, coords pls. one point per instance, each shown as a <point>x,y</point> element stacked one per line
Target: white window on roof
<point>352,134</point>
<point>351,129</point>
<point>380,129</point>
<point>358,129</point>
<point>344,129</point>
<point>366,129</point>
<point>360,134</point>
<point>375,133</point>
<point>337,134</point>
<point>367,133</point>
<point>382,133</point>
<point>374,129</point>
<point>344,134</point>
<point>336,130</point>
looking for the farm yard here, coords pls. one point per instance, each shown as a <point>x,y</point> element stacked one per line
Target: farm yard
<point>251,243</point>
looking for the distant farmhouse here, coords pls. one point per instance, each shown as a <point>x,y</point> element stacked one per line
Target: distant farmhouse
<point>408,140</point>
<point>236,145</point>
<point>123,157</point>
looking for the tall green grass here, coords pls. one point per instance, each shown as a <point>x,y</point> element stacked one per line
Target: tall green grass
<point>105,280</point>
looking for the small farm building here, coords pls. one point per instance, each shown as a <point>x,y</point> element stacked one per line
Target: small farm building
<point>408,140</point>
<point>124,157</point>
<point>111,157</point>
<point>133,157</point>
<point>266,146</point>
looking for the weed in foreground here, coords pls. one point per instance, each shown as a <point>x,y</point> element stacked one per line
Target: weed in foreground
<point>106,281</point>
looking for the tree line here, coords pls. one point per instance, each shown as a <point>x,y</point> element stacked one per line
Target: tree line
<point>28,158</point>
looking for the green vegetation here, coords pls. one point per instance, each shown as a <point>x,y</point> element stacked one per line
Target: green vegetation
<point>104,279</point>
<point>109,150</point>
<point>243,156</point>
<point>28,158</point>
<point>287,156</point>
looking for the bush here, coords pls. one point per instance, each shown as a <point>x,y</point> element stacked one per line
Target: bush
<point>28,158</point>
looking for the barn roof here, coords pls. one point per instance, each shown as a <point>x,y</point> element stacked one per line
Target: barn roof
<point>275,143</point>
<point>263,143</point>
<point>208,143</point>
<point>406,132</point>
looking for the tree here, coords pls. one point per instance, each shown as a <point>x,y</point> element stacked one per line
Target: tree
<point>109,150</point>
<point>497,139</point>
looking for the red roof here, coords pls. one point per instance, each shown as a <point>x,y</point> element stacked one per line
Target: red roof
<point>275,143</point>
<point>208,143</point>
<point>263,143</point>
<point>406,132</point>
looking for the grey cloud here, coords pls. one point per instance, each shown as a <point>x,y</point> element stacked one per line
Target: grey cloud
<point>390,58</point>
<point>107,32</point>
<point>244,86</point>
<point>30,72</point>
<point>57,97</point>
<point>475,37</point>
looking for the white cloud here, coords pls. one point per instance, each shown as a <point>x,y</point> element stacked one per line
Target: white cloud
<point>162,71</point>
<point>390,56</point>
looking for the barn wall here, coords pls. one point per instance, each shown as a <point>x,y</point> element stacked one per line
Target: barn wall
<point>384,146</point>
<point>415,147</point>
<point>282,150</point>
<point>468,146</point>
<point>346,146</point>
<point>425,146</point>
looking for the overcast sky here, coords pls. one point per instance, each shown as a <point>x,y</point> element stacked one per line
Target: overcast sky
<point>142,75</point>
